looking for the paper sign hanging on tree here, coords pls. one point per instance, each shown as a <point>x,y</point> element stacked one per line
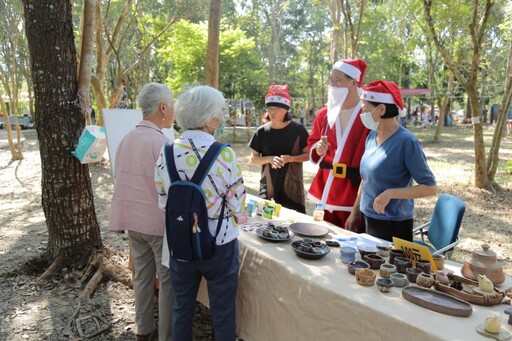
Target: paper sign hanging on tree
<point>91,145</point>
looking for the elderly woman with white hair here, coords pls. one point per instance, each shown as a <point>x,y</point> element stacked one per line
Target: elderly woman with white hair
<point>199,112</point>
<point>135,209</point>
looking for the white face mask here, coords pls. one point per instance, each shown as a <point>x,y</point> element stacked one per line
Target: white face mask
<point>368,121</point>
<point>335,99</point>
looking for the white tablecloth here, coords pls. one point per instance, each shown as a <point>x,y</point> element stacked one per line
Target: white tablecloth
<point>284,297</point>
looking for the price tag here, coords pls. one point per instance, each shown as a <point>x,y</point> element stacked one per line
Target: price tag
<point>414,251</point>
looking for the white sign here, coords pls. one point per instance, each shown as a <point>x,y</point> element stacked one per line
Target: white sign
<point>118,123</point>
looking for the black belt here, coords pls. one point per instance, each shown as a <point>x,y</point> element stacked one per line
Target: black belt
<point>341,170</point>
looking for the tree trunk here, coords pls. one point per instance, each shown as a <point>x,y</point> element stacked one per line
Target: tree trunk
<point>86,58</point>
<point>212,57</point>
<point>481,179</point>
<point>442,108</point>
<point>67,195</point>
<point>501,121</point>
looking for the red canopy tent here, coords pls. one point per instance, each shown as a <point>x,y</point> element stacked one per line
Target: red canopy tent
<point>415,92</point>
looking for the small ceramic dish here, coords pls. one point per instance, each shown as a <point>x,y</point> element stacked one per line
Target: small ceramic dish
<point>412,274</point>
<point>366,250</point>
<point>425,280</point>
<point>313,253</point>
<point>374,260</point>
<point>384,284</point>
<point>399,280</point>
<point>365,277</point>
<point>357,264</point>
<point>386,270</point>
<point>383,249</point>
<point>347,254</point>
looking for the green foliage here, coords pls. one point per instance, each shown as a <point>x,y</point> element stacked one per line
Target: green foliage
<point>508,167</point>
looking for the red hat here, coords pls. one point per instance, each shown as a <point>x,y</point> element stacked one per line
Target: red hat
<point>278,96</point>
<point>355,68</point>
<point>383,92</point>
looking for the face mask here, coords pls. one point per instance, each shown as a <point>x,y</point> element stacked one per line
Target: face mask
<point>218,131</point>
<point>368,121</point>
<point>335,99</point>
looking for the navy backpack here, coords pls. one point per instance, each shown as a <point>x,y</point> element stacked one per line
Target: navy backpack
<point>186,214</point>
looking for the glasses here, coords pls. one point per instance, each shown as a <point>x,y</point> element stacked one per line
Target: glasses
<point>338,81</point>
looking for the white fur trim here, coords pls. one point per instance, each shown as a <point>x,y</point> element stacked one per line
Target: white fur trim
<point>349,69</point>
<point>377,97</point>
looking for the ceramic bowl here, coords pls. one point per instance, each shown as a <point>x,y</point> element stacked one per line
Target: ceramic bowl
<point>402,263</point>
<point>424,265</point>
<point>347,254</point>
<point>357,264</point>
<point>366,250</point>
<point>399,280</point>
<point>425,280</point>
<point>395,253</point>
<point>386,270</point>
<point>384,284</point>
<point>439,260</point>
<point>383,249</point>
<point>365,277</point>
<point>374,260</point>
<point>412,274</point>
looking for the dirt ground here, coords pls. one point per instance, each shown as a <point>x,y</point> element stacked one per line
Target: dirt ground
<point>33,311</point>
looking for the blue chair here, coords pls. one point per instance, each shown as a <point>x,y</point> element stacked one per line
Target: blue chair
<point>442,230</point>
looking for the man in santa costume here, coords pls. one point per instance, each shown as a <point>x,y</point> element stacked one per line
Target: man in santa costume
<point>337,143</point>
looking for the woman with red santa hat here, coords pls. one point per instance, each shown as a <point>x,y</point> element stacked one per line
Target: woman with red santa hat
<point>392,159</point>
<point>280,146</point>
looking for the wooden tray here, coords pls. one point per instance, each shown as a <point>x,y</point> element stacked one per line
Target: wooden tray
<point>437,301</point>
<point>486,300</point>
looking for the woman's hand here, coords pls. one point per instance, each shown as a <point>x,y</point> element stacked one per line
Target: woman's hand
<point>277,162</point>
<point>322,146</point>
<point>380,202</point>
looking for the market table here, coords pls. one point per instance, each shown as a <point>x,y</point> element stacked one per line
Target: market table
<point>284,297</point>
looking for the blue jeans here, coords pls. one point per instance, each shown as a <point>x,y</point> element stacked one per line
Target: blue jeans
<point>221,274</point>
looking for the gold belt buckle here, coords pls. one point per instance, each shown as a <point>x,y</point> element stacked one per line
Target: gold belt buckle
<point>339,170</point>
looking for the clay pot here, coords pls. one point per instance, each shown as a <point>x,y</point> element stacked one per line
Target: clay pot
<point>412,273</point>
<point>384,249</point>
<point>384,284</point>
<point>395,253</point>
<point>374,260</point>
<point>402,264</point>
<point>399,280</point>
<point>347,254</point>
<point>366,250</point>
<point>425,280</point>
<point>386,270</point>
<point>365,277</point>
<point>484,262</point>
<point>424,265</point>
<point>439,260</point>
<point>441,277</point>
<point>357,264</point>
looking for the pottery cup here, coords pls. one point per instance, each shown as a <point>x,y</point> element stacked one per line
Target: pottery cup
<point>386,270</point>
<point>441,277</point>
<point>395,253</point>
<point>384,284</point>
<point>357,264</point>
<point>384,249</point>
<point>366,250</point>
<point>365,277</point>
<point>412,273</point>
<point>306,247</point>
<point>425,280</point>
<point>402,263</point>
<point>399,280</point>
<point>424,265</point>
<point>347,254</point>
<point>374,260</point>
<point>439,260</point>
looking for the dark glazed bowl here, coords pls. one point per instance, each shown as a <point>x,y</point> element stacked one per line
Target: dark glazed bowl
<point>366,250</point>
<point>412,274</point>
<point>375,261</point>
<point>323,250</point>
<point>357,264</point>
<point>384,284</point>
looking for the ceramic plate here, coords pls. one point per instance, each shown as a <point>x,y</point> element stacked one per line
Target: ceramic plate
<point>260,230</point>
<point>503,335</point>
<point>437,301</point>
<point>308,255</point>
<point>309,229</point>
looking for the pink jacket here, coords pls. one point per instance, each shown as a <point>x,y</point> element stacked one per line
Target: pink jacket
<point>135,200</point>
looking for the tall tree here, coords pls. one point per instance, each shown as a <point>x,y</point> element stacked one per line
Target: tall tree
<point>480,15</point>
<point>67,195</point>
<point>212,55</point>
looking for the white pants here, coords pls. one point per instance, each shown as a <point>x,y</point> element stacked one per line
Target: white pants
<point>147,262</point>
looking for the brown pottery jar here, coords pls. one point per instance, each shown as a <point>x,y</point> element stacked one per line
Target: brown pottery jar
<point>484,262</point>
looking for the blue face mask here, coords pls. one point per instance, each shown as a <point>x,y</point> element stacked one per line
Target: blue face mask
<point>368,121</point>
<point>217,132</point>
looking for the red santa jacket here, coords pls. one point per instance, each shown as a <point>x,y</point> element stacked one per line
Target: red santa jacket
<point>336,193</point>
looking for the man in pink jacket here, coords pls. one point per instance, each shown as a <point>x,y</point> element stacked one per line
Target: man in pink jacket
<point>135,209</point>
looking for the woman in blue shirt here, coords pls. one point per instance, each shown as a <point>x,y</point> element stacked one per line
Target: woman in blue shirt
<point>393,158</point>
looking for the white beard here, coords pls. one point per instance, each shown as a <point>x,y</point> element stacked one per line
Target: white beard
<point>335,99</point>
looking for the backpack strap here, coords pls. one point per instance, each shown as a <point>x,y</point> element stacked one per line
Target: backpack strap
<point>171,165</point>
<point>207,162</point>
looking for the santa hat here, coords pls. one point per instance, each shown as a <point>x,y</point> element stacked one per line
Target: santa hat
<point>278,96</point>
<point>384,92</point>
<point>355,68</point>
